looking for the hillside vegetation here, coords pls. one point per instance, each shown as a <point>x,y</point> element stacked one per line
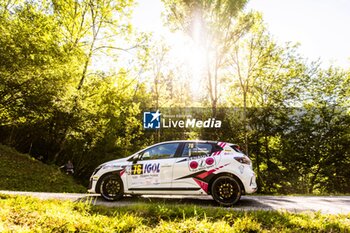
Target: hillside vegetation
<point>21,172</point>
<point>27,214</point>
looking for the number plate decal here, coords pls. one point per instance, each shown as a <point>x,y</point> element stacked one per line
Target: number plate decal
<point>137,169</point>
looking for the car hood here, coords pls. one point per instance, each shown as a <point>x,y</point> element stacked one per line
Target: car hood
<point>115,162</point>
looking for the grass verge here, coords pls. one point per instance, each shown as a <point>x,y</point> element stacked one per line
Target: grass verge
<point>20,172</point>
<point>27,214</point>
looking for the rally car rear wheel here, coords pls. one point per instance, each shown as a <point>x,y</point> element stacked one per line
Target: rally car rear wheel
<point>226,190</point>
<point>112,188</point>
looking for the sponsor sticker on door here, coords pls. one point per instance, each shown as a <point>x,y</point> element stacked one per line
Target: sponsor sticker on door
<point>197,163</point>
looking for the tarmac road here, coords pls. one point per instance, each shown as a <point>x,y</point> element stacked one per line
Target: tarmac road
<point>323,204</point>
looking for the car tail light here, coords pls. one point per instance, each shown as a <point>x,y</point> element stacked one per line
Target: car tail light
<point>243,159</point>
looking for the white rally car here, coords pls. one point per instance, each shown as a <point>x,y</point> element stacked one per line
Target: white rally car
<point>212,168</point>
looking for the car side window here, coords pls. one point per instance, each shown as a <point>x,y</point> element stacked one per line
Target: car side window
<point>160,152</point>
<point>196,149</point>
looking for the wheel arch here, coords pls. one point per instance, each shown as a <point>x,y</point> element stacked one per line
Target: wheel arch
<point>98,184</point>
<point>226,174</point>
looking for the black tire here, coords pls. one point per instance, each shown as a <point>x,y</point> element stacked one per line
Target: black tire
<point>112,188</point>
<point>226,190</point>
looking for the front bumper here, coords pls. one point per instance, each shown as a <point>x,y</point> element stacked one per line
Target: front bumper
<point>93,184</point>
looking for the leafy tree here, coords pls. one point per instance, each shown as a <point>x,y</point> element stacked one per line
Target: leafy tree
<point>92,25</point>
<point>56,102</point>
<point>45,59</point>
<point>35,70</point>
<point>214,26</point>
<point>319,150</point>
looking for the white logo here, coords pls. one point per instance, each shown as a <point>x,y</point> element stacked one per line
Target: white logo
<point>151,120</point>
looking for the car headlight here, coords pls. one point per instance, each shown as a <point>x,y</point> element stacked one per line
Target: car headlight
<point>243,159</point>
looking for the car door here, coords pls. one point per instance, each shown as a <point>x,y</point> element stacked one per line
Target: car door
<point>153,170</point>
<point>196,159</point>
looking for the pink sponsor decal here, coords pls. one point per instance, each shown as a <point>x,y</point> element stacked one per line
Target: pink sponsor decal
<point>193,165</point>
<point>202,184</point>
<point>216,153</point>
<point>209,161</point>
<point>122,172</point>
<point>205,174</point>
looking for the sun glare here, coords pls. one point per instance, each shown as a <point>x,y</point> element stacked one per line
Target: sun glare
<point>187,51</point>
<point>190,50</point>
<point>192,57</point>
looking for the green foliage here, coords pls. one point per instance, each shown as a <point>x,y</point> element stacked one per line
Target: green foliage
<point>24,173</point>
<point>34,68</point>
<point>51,101</point>
<point>26,214</point>
<point>109,125</point>
<point>291,116</point>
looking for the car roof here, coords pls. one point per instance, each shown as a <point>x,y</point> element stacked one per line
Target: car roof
<point>195,140</point>
<point>179,141</point>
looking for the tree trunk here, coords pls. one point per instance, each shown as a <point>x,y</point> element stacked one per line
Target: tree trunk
<point>245,123</point>
<point>63,140</point>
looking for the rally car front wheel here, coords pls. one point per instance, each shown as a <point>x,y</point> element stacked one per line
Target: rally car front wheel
<point>226,190</point>
<point>112,187</point>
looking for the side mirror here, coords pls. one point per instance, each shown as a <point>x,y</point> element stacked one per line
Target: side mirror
<point>134,160</point>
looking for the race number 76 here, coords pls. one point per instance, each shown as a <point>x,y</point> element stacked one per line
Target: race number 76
<point>137,169</point>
